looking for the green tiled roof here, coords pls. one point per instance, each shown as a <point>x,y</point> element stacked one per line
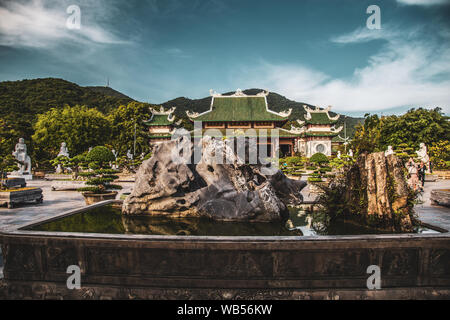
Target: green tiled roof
<point>158,120</point>
<point>239,109</point>
<point>239,132</point>
<point>320,134</point>
<point>320,118</point>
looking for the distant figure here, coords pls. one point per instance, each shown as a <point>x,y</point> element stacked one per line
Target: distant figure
<point>338,154</point>
<point>389,151</point>
<point>422,154</point>
<point>20,153</point>
<point>413,178</point>
<point>422,171</point>
<point>350,153</point>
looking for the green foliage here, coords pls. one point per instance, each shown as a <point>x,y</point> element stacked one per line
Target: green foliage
<point>8,137</point>
<point>99,181</point>
<point>80,127</point>
<point>100,155</point>
<point>123,121</point>
<point>440,154</point>
<point>406,131</point>
<point>319,158</point>
<point>22,101</point>
<point>7,164</point>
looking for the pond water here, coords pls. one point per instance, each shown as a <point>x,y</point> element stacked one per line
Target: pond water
<point>109,220</point>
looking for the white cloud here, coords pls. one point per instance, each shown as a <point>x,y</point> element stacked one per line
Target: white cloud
<point>423,2</point>
<point>42,23</point>
<point>407,71</point>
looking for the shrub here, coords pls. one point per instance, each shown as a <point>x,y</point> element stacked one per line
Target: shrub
<point>100,180</point>
<point>99,156</point>
<point>291,161</point>
<point>319,158</point>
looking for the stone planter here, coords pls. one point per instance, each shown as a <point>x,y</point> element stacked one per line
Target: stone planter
<point>440,197</point>
<point>431,177</point>
<point>11,198</point>
<point>14,182</point>
<point>53,176</point>
<point>67,185</point>
<point>91,198</point>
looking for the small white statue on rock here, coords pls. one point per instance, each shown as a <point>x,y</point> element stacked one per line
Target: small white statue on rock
<point>129,155</point>
<point>389,151</point>
<point>350,153</point>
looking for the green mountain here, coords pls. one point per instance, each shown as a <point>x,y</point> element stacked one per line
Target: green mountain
<point>22,101</point>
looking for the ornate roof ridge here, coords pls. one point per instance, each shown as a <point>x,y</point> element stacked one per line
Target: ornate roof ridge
<point>316,109</point>
<point>163,112</point>
<point>238,94</point>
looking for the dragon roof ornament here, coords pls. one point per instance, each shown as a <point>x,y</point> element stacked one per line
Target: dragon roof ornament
<point>297,130</point>
<point>162,111</point>
<point>318,110</point>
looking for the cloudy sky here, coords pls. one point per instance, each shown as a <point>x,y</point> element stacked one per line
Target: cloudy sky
<point>315,51</point>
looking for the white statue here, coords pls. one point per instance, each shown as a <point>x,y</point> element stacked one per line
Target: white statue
<point>20,153</point>
<point>115,153</point>
<point>388,151</point>
<point>422,153</point>
<point>129,155</point>
<point>350,153</point>
<point>63,151</point>
<point>338,154</point>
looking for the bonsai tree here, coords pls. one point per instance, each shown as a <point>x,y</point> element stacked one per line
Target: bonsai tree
<point>62,161</point>
<point>101,176</point>
<point>319,159</point>
<point>7,164</point>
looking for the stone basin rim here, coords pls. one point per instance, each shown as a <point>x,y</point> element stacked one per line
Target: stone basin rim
<point>19,231</point>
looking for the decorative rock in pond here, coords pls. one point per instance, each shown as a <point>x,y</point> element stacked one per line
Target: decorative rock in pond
<point>377,188</point>
<point>230,191</point>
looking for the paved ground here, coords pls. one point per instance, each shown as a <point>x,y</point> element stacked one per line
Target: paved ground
<point>434,215</point>
<point>56,202</point>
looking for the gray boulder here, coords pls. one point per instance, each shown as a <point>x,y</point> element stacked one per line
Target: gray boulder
<point>227,190</point>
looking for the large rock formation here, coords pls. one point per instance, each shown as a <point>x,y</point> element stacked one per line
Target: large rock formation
<point>222,190</point>
<point>377,189</point>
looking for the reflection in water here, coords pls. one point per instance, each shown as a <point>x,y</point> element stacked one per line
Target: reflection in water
<point>108,219</point>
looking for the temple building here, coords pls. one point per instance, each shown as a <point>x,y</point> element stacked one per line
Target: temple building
<point>160,125</point>
<point>318,131</point>
<point>240,112</point>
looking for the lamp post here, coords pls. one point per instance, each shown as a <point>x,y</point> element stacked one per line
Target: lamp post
<point>134,143</point>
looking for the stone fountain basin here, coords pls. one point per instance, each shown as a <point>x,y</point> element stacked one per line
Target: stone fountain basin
<point>205,267</point>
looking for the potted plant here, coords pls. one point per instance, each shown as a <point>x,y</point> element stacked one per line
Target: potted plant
<point>100,177</point>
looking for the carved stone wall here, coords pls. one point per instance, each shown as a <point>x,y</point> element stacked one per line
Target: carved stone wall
<point>135,267</point>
